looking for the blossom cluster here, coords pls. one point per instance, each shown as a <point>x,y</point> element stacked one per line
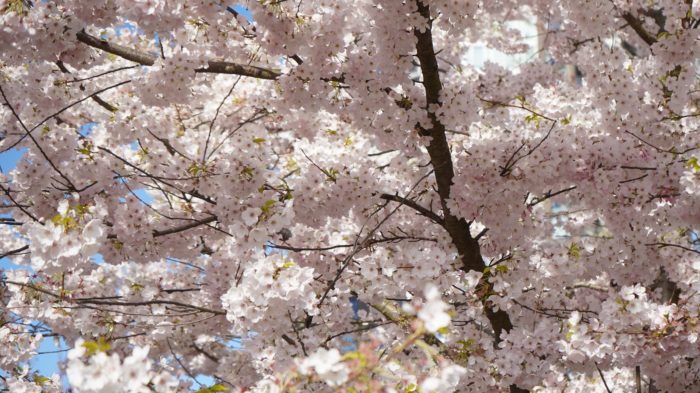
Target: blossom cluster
<point>326,195</point>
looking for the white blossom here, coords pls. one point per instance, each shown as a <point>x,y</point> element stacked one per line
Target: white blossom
<point>433,312</point>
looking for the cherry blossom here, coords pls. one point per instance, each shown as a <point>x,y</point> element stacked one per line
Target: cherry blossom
<point>434,311</point>
<point>323,196</point>
<point>326,363</point>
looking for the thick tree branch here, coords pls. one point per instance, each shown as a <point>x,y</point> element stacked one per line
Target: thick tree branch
<point>439,150</point>
<point>223,67</point>
<point>636,25</point>
<point>415,206</point>
<point>441,159</point>
<point>147,59</point>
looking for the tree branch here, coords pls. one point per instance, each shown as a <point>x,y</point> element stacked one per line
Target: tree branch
<point>14,252</point>
<point>147,59</point>
<point>95,98</point>
<point>441,159</point>
<point>415,206</point>
<point>69,183</point>
<point>194,224</point>
<point>116,302</point>
<point>636,25</point>
<point>368,243</point>
<point>600,372</point>
<point>549,194</point>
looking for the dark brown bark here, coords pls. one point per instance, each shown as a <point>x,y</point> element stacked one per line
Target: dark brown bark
<point>439,151</point>
<point>636,25</point>
<point>441,159</point>
<point>147,59</point>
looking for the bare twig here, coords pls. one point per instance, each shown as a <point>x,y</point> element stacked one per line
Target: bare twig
<point>216,115</point>
<point>99,301</point>
<point>663,245</point>
<point>14,252</point>
<point>358,245</point>
<point>510,164</point>
<point>600,372</point>
<point>549,194</point>
<point>672,150</point>
<point>65,108</point>
<point>177,359</point>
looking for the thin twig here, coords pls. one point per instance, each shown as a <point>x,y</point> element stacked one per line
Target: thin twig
<point>189,373</point>
<point>602,377</point>
<point>358,245</point>
<point>216,115</point>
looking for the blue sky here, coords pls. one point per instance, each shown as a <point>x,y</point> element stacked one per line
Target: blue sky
<point>46,364</point>
<point>51,352</point>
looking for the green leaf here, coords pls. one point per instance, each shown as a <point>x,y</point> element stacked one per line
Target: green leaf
<point>534,118</point>
<point>85,151</point>
<point>142,154</point>
<point>40,379</point>
<point>569,335</point>
<point>258,141</point>
<point>267,207</point>
<point>19,7</point>
<point>213,389</point>
<point>355,355</point>
<point>247,173</point>
<point>286,265</point>
<point>93,347</point>
<point>196,169</point>
<point>574,251</point>
<point>623,304</point>
<point>466,344</point>
<point>331,174</point>
<point>66,222</point>
<point>693,164</point>
<point>405,102</point>
<point>117,244</point>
